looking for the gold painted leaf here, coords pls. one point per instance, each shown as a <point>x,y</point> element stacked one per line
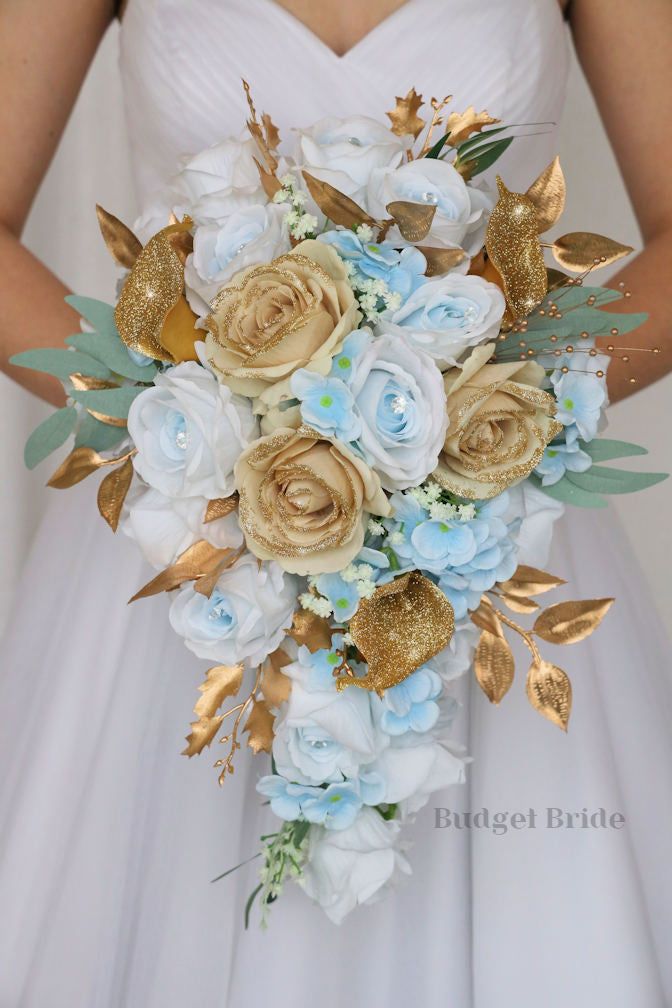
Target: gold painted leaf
<point>550,692</point>
<point>111,421</point>
<point>178,333</point>
<point>494,666</point>
<point>260,727</point>
<point>169,579</point>
<point>570,622</point>
<point>199,562</point>
<point>275,685</point>
<point>85,383</point>
<point>220,682</point>
<point>271,131</point>
<point>311,630</point>
<point>547,192</point>
<point>461,125</point>
<point>519,605</point>
<point>530,581</point>
<point>582,250</point>
<point>338,207</point>
<point>269,183</point>
<point>120,240</point>
<point>414,220</point>
<point>220,507</point>
<point>112,493</point>
<point>79,464</point>
<point>512,243</point>
<point>556,279</point>
<point>440,260</point>
<point>404,117</point>
<point>485,618</point>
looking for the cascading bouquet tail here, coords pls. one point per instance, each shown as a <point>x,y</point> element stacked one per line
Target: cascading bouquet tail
<point>339,403</point>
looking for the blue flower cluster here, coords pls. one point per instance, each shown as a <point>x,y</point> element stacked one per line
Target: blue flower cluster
<point>411,705</point>
<point>581,398</point>
<point>401,271</point>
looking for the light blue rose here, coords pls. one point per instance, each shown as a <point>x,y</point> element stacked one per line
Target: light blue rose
<point>334,807</point>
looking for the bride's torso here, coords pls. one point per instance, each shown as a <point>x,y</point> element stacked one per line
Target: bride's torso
<point>182,64</point>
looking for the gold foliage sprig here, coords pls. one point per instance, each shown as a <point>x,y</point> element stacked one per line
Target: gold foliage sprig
<point>201,563</point>
<point>547,687</point>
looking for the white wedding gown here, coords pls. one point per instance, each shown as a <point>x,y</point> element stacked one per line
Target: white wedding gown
<point>110,837</point>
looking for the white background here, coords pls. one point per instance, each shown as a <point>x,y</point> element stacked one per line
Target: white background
<point>91,167</point>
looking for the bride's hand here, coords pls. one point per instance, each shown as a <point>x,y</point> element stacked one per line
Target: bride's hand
<point>45,51</point>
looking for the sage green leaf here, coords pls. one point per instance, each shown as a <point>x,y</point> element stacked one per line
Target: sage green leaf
<point>568,493</point>
<point>99,436</point>
<point>571,296</point>
<point>604,449</point>
<point>50,435</point>
<point>602,479</point>
<point>97,313</point>
<point>61,363</point>
<point>112,351</point>
<point>112,402</point>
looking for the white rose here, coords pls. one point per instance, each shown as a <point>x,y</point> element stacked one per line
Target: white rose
<point>344,152</point>
<point>413,769</point>
<point>244,619</point>
<point>456,659</point>
<point>399,394</point>
<point>448,316</point>
<point>324,735</point>
<point>248,236</point>
<point>461,210</point>
<point>189,431</point>
<point>351,866</point>
<point>163,527</point>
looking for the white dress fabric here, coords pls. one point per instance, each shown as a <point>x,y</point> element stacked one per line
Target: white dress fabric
<point>109,837</point>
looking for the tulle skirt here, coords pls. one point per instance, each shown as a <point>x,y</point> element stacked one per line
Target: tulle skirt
<point>110,837</point>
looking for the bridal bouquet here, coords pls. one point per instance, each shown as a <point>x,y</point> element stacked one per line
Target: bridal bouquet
<point>338,404</point>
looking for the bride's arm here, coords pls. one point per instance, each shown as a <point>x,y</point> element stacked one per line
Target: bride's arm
<point>624,49</point>
<point>45,51</point>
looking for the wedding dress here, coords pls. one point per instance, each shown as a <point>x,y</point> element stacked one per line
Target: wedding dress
<point>110,837</point>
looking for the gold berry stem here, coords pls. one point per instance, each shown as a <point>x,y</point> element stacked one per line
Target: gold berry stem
<point>227,763</point>
<point>527,637</point>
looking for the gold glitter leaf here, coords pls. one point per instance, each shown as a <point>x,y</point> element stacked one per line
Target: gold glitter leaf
<point>404,624</point>
<point>461,125</point>
<point>581,250</point>
<point>440,260</point>
<point>335,205</point>
<point>220,507</point>
<point>485,618</point>
<point>548,195</point>
<point>220,682</point>
<point>530,581</point>
<point>512,243</point>
<point>404,117</point>
<point>569,622</point>
<point>413,219</point>
<point>120,240</point>
<point>112,493</point>
<point>79,464</point>
<point>550,692</point>
<point>260,727</point>
<point>494,666</point>
<point>275,685</point>
<point>311,630</point>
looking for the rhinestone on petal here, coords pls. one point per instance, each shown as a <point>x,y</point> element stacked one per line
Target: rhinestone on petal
<point>399,404</point>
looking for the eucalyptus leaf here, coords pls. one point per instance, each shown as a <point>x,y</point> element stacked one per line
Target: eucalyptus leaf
<point>602,479</point>
<point>112,402</point>
<point>604,449</point>
<point>61,363</point>
<point>91,433</point>
<point>568,493</point>
<point>112,351</point>
<point>573,295</point>
<point>97,313</point>
<point>50,435</point>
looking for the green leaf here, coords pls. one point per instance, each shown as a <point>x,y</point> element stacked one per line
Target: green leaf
<point>568,493</point>
<point>438,147</point>
<point>97,313</point>
<point>300,832</point>
<point>61,363</point>
<point>468,145</point>
<point>230,871</point>
<point>50,435</point>
<point>97,435</point>
<point>483,157</point>
<point>112,402</point>
<point>248,906</point>
<point>602,479</point>
<point>113,352</point>
<point>604,449</point>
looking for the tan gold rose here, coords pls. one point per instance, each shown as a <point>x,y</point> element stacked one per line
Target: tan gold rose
<point>304,500</point>
<point>500,421</point>
<point>292,313</point>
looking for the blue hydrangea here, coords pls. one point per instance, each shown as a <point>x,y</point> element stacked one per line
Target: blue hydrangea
<point>580,399</point>
<point>286,799</point>
<point>465,557</point>
<point>327,405</point>
<point>334,807</point>
<point>563,455</point>
<point>343,595</point>
<point>403,271</point>
<point>320,665</point>
<point>411,705</point>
